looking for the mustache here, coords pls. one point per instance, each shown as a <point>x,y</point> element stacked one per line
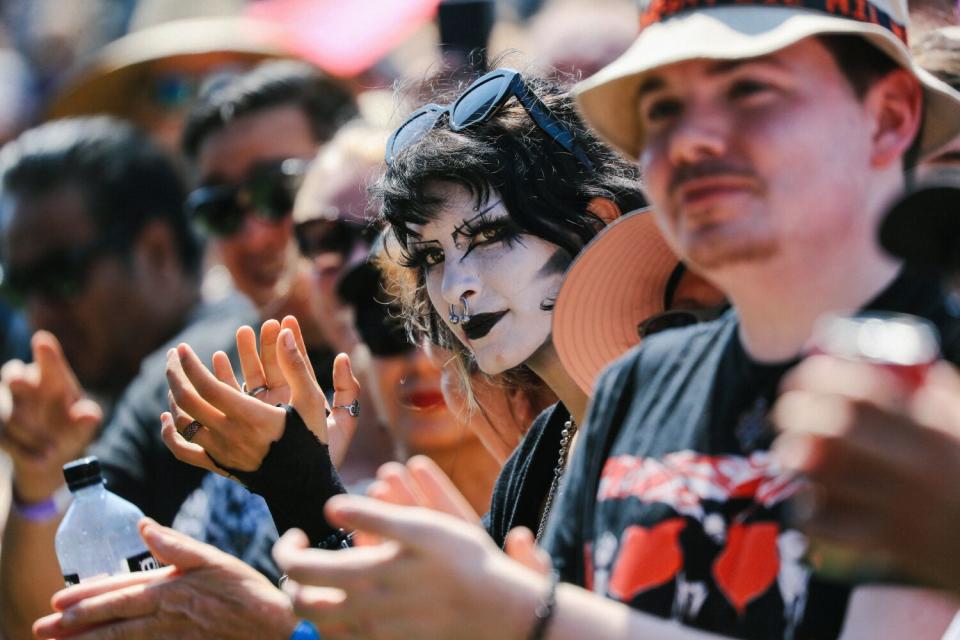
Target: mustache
<point>708,169</point>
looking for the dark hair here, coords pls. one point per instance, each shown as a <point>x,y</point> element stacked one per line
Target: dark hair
<point>325,102</point>
<point>862,64</point>
<point>545,190</point>
<point>125,179</point>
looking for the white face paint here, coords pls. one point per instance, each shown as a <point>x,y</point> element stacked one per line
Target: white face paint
<point>479,255</point>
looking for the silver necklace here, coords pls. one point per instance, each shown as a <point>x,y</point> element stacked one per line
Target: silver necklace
<point>566,436</point>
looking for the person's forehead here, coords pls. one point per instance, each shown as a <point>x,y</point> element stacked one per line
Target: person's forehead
<point>35,225</point>
<point>274,133</point>
<point>807,58</point>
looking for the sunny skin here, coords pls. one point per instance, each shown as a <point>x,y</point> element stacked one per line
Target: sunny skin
<point>757,167</point>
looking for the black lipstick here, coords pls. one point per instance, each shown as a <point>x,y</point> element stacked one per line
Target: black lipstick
<point>480,324</point>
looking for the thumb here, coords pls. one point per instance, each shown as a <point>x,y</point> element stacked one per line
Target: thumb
<point>522,547</point>
<point>305,395</point>
<point>174,548</point>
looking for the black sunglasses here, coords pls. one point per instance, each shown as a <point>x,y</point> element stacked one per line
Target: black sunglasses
<point>268,192</point>
<point>59,275</point>
<point>677,318</point>
<point>318,236</point>
<point>478,103</point>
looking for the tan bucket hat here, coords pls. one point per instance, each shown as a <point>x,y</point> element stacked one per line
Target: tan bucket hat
<point>594,323</point>
<point>678,30</point>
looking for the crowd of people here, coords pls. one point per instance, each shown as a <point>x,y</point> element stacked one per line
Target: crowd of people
<point>624,344</point>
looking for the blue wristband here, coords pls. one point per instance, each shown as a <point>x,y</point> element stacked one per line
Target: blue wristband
<point>305,631</point>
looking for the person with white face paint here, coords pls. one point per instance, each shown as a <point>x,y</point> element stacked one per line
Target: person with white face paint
<point>487,249</point>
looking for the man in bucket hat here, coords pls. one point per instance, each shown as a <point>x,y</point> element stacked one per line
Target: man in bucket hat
<point>771,136</point>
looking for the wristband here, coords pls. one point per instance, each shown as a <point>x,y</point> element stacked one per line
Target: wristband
<point>45,510</point>
<point>544,610</point>
<point>305,631</point>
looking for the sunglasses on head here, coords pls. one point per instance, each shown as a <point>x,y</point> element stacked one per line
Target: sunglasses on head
<point>267,192</point>
<point>478,103</point>
<point>59,275</point>
<point>315,237</point>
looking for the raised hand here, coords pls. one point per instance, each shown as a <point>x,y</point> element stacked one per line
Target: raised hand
<point>46,420</point>
<point>235,428</point>
<point>882,461</point>
<point>205,593</point>
<point>433,577</point>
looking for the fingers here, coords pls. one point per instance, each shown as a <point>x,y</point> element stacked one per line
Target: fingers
<point>339,569</point>
<point>290,322</point>
<point>440,492</point>
<point>250,364</point>
<point>174,548</point>
<point>189,452</point>
<point>186,398</point>
<point>346,391</point>
<point>273,375</point>
<point>398,487</point>
<point>215,397</point>
<point>57,376</point>
<point>521,545</point>
<point>70,596</point>
<point>223,369</point>
<point>855,380</point>
<point>133,601</point>
<point>414,528</point>
<point>821,424</point>
<point>305,396</point>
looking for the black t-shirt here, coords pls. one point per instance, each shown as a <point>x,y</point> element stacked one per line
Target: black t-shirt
<point>135,462</point>
<point>524,481</point>
<point>672,504</point>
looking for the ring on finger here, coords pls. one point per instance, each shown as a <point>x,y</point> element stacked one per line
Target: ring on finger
<point>353,409</point>
<point>190,430</point>
<point>253,392</point>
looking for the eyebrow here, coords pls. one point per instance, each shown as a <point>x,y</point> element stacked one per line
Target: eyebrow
<point>458,230</point>
<point>716,68</point>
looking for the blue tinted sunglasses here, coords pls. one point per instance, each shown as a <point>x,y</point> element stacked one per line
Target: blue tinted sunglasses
<point>478,103</point>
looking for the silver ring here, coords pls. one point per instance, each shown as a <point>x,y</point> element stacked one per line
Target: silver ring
<point>353,409</point>
<point>190,430</point>
<point>253,392</point>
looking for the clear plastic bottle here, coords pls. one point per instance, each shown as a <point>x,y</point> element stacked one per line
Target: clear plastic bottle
<point>98,535</point>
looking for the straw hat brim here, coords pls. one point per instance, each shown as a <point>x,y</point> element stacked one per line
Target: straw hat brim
<point>615,282</point>
<point>608,98</point>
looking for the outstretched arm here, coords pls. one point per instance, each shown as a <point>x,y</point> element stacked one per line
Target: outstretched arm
<point>46,422</point>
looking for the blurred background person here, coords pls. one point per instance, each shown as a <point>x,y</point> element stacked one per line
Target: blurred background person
<point>96,247</point>
<point>152,75</point>
<point>250,141</point>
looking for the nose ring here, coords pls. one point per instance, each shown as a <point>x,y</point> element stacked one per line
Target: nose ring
<point>457,318</point>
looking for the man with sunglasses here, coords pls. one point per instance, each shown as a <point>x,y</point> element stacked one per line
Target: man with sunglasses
<point>97,249</point>
<point>250,140</point>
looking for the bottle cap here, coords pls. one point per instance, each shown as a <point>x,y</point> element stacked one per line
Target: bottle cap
<point>82,473</point>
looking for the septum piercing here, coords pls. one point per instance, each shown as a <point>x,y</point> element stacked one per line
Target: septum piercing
<point>456,318</point>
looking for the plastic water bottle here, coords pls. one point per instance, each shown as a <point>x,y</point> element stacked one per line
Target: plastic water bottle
<point>98,535</point>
